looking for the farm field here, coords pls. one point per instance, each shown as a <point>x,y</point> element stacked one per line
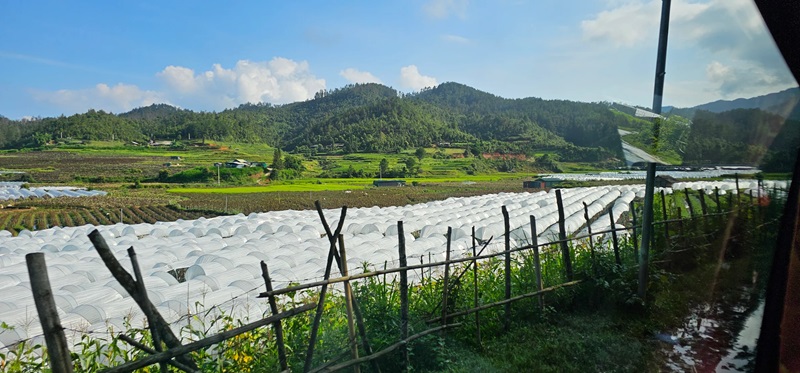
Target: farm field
<point>196,266</point>
<point>208,202</point>
<point>108,161</point>
<point>220,255</point>
<point>201,243</point>
<point>119,168</point>
<point>135,206</point>
<point>105,161</point>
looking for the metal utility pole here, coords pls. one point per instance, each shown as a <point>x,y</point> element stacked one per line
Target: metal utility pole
<point>661,60</point>
<point>658,95</point>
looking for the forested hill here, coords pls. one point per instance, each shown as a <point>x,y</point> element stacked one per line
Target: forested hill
<point>783,103</point>
<point>361,117</point>
<point>743,136</point>
<point>582,124</point>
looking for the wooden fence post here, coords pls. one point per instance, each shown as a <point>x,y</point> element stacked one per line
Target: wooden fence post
<point>689,203</point>
<point>137,272</point>
<point>614,240</point>
<point>403,294</point>
<point>716,199</point>
<point>475,287</point>
<point>736,176</point>
<point>56,341</point>
<point>348,301</point>
<point>666,217</point>
<point>703,206</point>
<point>129,284</point>
<point>446,277</point>
<point>681,231</point>
<point>562,236</point>
<point>635,236</point>
<point>362,330</point>
<point>321,305</point>
<point>537,264</point>
<point>507,267</point>
<point>589,229</point>
<point>730,201</point>
<point>277,326</point>
<point>647,231</point>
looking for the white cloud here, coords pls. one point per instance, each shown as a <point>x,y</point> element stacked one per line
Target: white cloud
<point>445,8</point>
<point>357,76</point>
<point>180,78</point>
<point>117,98</point>
<point>716,71</point>
<point>279,81</point>
<point>728,37</point>
<point>410,77</point>
<point>455,39</point>
<point>621,26</point>
<point>734,81</point>
<point>636,23</point>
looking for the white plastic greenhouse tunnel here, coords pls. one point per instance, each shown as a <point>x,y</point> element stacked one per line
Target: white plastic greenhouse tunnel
<point>13,190</point>
<point>218,258</point>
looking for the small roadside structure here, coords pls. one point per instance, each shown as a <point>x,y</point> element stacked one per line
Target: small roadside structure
<point>389,183</point>
<point>237,163</point>
<point>664,181</point>
<point>542,183</point>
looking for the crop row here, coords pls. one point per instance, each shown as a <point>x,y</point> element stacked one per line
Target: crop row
<point>15,220</point>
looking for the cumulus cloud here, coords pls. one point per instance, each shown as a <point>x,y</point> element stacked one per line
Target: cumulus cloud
<point>455,39</point>
<point>117,98</point>
<point>618,26</point>
<point>279,81</point>
<point>357,76</point>
<point>446,8</point>
<point>741,58</point>
<point>410,77</point>
<point>734,81</point>
<point>628,24</point>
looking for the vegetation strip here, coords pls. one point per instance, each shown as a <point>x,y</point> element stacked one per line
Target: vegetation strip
<point>388,349</point>
<point>507,301</point>
<point>194,346</point>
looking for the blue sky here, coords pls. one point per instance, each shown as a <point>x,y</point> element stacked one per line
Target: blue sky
<point>60,57</point>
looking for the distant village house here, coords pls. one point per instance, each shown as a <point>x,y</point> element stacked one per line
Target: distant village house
<point>542,183</point>
<point>389,183</point>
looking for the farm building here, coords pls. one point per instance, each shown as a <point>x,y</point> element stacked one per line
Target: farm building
<point>541,183</point>
<point>237,163</point>
<point>665,181</point>
<point>389,183</point>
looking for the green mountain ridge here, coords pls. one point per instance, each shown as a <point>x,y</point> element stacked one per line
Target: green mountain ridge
<point>360,117</point>
<point>783,103</point>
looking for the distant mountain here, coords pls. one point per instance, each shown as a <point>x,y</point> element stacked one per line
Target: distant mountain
<point>582,124</point>
<point>361,117</point>
<point>782,103</point>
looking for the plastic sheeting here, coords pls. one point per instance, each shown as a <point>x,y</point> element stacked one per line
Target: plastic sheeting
<point>218,259</point>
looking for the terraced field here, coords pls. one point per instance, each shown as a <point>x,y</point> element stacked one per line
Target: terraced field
<point>15,220</point>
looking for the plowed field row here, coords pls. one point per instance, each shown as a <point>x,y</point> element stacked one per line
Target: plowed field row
<point>15,220</point>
